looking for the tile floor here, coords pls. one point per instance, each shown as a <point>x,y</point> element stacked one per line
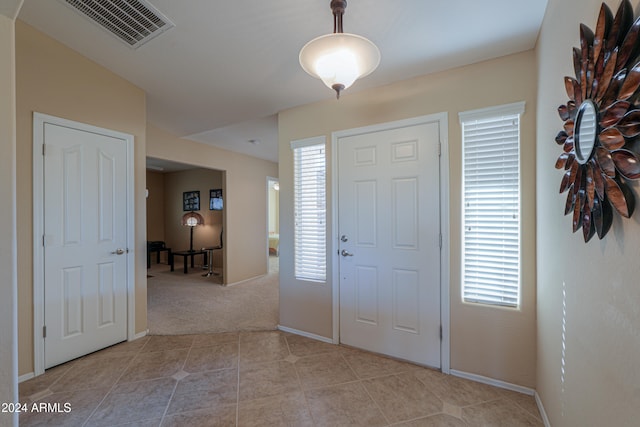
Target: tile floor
<point>262,379</point>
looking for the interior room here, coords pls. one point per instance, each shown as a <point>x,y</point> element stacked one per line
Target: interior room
<point>387,315</point>
<point>168,185</point>
<point>199,296</point>
<point>273,209</point>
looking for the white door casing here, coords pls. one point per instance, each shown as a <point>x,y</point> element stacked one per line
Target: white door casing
<point>393,296</point>
<point>82,215</point>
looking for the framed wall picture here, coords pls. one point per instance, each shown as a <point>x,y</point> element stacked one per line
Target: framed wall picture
<point>191,201</point>
<point>215,199</point>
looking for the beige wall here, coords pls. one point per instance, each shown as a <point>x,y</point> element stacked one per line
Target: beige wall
<point>177,235</point>
<point>155,206</point>
<point>53,79</point>
<point>245,198</point>
<point>588,294</point>
<point>8,287</point>
<point>493,342</point>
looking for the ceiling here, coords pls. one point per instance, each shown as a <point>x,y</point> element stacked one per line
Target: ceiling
<point>222,74</point>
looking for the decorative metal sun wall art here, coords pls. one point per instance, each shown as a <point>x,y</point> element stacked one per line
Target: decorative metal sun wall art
<point>602,123</point>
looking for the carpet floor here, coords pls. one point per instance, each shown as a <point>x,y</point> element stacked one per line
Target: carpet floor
<point>180,303</point>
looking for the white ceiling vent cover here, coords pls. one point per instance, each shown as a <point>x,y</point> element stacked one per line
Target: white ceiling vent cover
<point>135,22</point>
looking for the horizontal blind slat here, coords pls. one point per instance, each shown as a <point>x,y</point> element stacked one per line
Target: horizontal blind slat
<point>309,211</point>
<point>491,203</point>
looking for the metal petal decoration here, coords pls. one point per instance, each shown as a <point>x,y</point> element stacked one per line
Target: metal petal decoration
<point>601,122</point>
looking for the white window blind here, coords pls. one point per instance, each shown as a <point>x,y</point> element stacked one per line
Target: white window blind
<point>491,205</point>
<point>310,212</point>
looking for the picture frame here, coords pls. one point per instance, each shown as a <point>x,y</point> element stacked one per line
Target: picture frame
<point>215,200</point>
<point>191,201</point>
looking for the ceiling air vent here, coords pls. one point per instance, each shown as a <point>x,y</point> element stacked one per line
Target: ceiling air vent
<point>135,22</point>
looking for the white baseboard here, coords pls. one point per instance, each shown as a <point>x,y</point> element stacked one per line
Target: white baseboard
<point>493,382</point>
<point>543,413</point>
<point>26,377</point>
<point>305,334</point>
<point>140,335</point>
<point>245,280</point>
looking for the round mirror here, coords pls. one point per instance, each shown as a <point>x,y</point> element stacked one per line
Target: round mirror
<point>585,131</point>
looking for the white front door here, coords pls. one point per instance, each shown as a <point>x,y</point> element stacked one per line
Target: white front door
<point>85,235</point>
<point>389,228</point>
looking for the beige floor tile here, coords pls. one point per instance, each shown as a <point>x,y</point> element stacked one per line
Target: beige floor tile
<point>286,410</point>
<point>194,380</point>
<point>207,340</point>
<point>268,379</point>
<point>222,356</point>
<point>463,392</point>
<point>158,364</point>
<point>131,347</point>
<point>368,365</point>
<point>92,373</point>
<point>256,349</point>
<point>167,342</point>
<point>155,422</point>
<point>303,346</point>
<point>323,369</point>
<point>453,410</point>
<point>41,383</point>
<point>205,390</point>
<point>131,402</point>
<point>439,420</point>
<point>224,416</point>
<point>80,406</point>
<point>342,405</point>
<point>402,397</point>
<point>428,376</point>
<point>525,401</point>
<point>499,413</point>
<point>247,336</point>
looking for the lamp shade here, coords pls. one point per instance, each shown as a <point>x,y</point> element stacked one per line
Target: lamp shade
<point>192,219</point>
<point>339,59</point>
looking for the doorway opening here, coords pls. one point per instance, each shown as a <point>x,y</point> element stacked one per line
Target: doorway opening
<point>273,225</point>
<point>197,297</point>
<point>174,190</point>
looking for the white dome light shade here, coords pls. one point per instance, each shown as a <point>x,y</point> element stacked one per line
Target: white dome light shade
<point>339,59</point>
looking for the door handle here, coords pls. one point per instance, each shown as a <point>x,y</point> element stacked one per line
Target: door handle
<point>118,251</point>
<point>345,253</point>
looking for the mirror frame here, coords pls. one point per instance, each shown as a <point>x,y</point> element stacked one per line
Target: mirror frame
<point>607,76</point>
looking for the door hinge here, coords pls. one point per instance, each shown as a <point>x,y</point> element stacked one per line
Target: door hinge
<point>440,240</point>
<point>44,150</point>
<point>440,332</point>
<point>439,148</point>
<point>43,240</point>
<point>44,331</point>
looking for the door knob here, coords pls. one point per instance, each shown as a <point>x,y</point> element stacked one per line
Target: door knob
<point>345,253</point>
<point>118,251</point>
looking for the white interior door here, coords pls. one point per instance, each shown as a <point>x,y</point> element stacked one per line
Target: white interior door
<point>85,235</point>
<point>389,223</point>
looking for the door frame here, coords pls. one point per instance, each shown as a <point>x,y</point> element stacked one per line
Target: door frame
<point>39,121</point>
<point>270,179</point>
<point>442,120</point>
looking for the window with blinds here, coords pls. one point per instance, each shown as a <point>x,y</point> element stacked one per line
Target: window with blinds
<point>310,213</point>
<point>491,205</point>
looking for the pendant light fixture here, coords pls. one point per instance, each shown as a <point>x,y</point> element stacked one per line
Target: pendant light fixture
<point>339,59</point>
